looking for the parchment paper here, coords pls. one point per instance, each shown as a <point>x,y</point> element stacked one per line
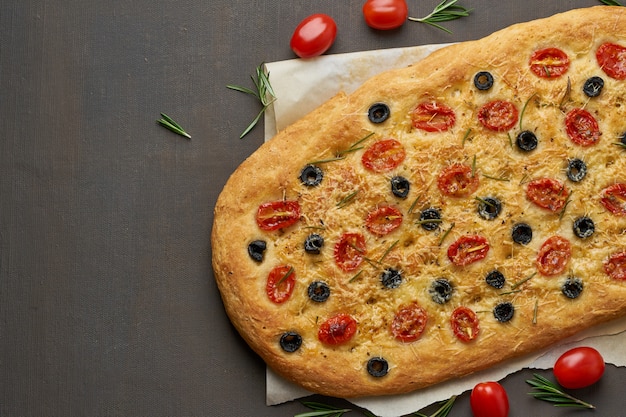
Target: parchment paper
<point>301,86</point>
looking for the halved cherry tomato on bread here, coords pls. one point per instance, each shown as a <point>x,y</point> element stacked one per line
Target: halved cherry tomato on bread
<point>547,193</point>
<point>468,249</point>
<point>385,14</point>
<point>549,63</point>
<point>489,399</point>
<point>612,59</point>
<point>613,199</point>
<point>409,322</point>
<point>349,251</point>
<point>383,220</point>
<point>337,329</point>
<point>280,283</point>
<point>457,180</point>
<point>615,266</point>
<point>276,215</point>
<point>579,367</point>
<point>582,128</point>
<point>553,256</point>
<point>465,324</point>
<point>433,117</point>
<point>314,35</point>
<point>498,115</point>
<point>384,155</point>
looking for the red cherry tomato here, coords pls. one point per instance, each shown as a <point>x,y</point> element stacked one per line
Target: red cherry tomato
<point>553,256</point>
<point>409,322</point>
<point>582,127</point>
<point>314,35</point>
<point>337,329</point>
<point>547,193</point>
<point>457,180</point>
<point>385,14</point>
<point>349,251</point>
<point>384,155</point>
<point>433,117</point>
<point>489,399</point>
<point>280,283</point>
<point>579,367</point>
<point>468,249</point>
<point>465,325</point>
<point>277,214</point>
<point>612,60</point>
<point>614,199</point>
<point>549,63</point>
<point>498,115</point>
<point>383,220</point>
<point>615,266</point>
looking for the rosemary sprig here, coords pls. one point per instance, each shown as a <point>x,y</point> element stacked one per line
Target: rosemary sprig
<point>443,12</point>
<point>264,93</point>
<point>322,410</point>
<point>443,411</point>
<point>611,2</point>
<point>169,123</point>
<point>393,245</point>
<point>620,144</point>
<point>521,117</point>
<point>445,235</point>
<point>414,204</point>
<point>466,136</point>
<point>347,199</point>
<point>528,278</point>
<point>358,274</point>
<point>547,390</point>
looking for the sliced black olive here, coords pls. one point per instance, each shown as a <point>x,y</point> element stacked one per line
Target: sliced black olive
<point>391,278</point>
<point>311,175</point>
<point>503,312</point>
<point>495,279</point>
<point>576,170</point>
<point>377,367</point>
<point>378,112</point>
<point>622,140</point>
<point>593,86</point>
<point>572,287</point>
<point>584,227</point>
<point>489,208</point>
<point>441,290</point>
<point>483,80</point>
<point>256,250</point>
<point>522,233</point>
<point>526,141</point>
<point>318,291</point>
<point>430,219</point>
<point>290,341</point>
<point>400,186</point>
<point>313,243</point>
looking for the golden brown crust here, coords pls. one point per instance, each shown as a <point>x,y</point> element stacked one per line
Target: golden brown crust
<point>543,315</point>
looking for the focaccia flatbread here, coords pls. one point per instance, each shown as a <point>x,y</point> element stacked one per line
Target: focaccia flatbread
<point>442,218</point>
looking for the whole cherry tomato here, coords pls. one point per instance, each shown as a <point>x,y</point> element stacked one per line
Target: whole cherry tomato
<point>314,35</point>
<point>579,367</point>
<point>489,399</point>
<point>385,14</point>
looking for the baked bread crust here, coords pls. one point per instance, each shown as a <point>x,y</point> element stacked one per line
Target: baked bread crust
<point>542,315</point>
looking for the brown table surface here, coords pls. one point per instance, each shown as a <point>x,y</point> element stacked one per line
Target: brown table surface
<point>108,306</point>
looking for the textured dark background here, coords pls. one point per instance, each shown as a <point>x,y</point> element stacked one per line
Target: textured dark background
<point>108,306</point>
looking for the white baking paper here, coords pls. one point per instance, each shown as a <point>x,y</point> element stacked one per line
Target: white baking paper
<point>300,86</point>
